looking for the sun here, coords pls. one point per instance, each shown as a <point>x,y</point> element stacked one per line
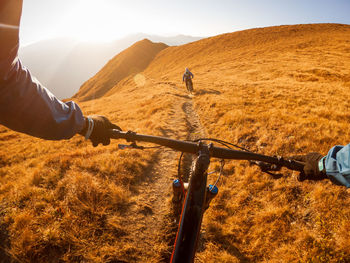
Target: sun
<point>96,21</point>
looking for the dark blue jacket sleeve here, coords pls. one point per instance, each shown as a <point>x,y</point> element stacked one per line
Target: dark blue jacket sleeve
<point>25,105</point>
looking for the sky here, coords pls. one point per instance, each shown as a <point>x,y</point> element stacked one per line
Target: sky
<point>107,20</point>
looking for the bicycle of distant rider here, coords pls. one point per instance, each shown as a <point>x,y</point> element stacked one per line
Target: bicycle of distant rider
<point>189,85</point>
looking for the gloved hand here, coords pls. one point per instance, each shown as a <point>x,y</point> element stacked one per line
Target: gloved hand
<point>311,170</point>
<point>97,128</point>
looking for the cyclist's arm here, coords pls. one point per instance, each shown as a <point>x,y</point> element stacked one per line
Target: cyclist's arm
<point>337,165</point>
<point>25,105</point>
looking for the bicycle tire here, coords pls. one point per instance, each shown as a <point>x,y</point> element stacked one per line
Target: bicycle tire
<point>189,86</point>
<point>192,213</point>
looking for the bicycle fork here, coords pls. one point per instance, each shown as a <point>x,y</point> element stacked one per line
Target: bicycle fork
<point>197,199</point>
<point>180,188</point>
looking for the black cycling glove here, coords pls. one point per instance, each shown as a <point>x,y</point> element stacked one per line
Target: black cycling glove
<point>311,170</point>
<point>97,129</point>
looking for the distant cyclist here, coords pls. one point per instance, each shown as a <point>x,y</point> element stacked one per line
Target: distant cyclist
<point>187,77</point>
<point>334,166</point>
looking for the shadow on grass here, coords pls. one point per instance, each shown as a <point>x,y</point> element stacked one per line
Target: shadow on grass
<point>178,95</point>
<point>225,242</point>
<point>5,257</point>
<point>207,91</point>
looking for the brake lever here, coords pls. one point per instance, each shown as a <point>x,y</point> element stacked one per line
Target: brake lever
<point>130,146</point>
<point>266,167</point>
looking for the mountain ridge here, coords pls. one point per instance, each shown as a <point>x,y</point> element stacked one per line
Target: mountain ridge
<point>128,62</point>
<point>228,47</point>
<point>64,64</point>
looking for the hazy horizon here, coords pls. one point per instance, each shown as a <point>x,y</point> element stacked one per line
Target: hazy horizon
<point>107,20</point>
<point>78,41</point>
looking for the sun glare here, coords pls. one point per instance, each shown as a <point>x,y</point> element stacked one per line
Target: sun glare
<point>96,21</point>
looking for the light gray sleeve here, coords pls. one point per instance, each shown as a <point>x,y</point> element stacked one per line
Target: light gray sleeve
<point>337,164</point>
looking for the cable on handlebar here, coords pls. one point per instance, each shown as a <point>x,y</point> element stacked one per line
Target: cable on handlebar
<point>179,166</point>
<point>221,171</point>
<point>225,143</point>
<point>265,167</point>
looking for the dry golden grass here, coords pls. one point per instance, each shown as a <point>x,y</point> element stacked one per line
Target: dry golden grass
<point>279,90</point>
<point>67,201</point>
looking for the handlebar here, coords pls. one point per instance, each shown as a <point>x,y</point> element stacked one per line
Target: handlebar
<point>217,152</point>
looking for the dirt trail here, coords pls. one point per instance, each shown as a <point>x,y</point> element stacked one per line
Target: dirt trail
<point>151,227</point>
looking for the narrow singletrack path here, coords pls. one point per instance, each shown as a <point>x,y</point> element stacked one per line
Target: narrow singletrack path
<point>149,219</point>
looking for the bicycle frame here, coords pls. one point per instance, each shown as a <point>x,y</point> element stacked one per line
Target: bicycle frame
<point>194,205</point>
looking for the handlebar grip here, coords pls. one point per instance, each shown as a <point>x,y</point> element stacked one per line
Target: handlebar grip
<point>293,165</point>
<point>115,134</point>
<point>118,134</point>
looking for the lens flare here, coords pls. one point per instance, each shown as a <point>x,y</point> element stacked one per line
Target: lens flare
<point>139,80</point>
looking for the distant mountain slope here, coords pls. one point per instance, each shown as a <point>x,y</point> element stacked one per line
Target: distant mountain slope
<point>211,54</point>
<point>63,64</point>
<point>131,61</point>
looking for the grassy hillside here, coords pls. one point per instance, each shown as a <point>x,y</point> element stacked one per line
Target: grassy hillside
<point>129,62</point>
<point>278,91</point>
